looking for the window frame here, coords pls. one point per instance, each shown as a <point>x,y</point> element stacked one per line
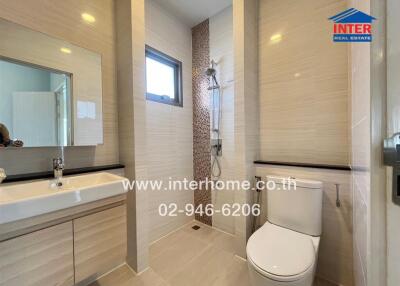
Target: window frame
<point>177,66</point>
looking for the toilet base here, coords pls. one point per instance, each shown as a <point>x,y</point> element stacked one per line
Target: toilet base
<point>256,279</point>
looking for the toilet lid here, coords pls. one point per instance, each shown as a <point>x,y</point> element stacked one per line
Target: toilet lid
<point>280,252</point>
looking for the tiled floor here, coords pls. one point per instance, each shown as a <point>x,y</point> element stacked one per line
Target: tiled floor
<point>188,257</point>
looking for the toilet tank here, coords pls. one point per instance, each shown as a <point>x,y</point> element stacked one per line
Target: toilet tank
<point>299,208</point>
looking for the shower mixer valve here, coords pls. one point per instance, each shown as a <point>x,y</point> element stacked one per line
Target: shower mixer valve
<point>216,147</point>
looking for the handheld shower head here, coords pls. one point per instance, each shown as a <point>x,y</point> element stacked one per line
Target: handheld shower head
<point>211,71</point>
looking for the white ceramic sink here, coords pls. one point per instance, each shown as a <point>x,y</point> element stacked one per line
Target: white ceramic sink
<point>26,200</point>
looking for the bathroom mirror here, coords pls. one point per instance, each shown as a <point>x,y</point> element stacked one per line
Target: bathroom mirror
<point>35,106</point>
<point>50,91</point>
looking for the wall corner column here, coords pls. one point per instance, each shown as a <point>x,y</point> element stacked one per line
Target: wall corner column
<point>130,30</point>
<point>245,31</point>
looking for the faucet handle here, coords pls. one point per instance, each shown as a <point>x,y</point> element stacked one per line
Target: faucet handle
<point>2,175</point>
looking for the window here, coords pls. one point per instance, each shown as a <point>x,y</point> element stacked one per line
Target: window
<point>163,78</point>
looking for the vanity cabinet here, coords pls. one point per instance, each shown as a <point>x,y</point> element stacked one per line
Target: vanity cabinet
<point>99,243</point>
<point>43,257</point>
<point>69,247</point>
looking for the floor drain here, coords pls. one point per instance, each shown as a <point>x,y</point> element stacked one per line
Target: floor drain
<point>196,227</point>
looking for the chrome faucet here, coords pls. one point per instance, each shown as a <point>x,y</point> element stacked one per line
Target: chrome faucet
<point>2,175</point>
<point>58,168</point>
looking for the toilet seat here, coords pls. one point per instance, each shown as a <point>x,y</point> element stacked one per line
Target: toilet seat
<point>281,254</point>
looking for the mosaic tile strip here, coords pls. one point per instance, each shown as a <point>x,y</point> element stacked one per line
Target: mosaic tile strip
<point>201,115</point>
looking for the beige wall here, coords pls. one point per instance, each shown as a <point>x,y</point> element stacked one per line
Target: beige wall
<point>335,257</point>
<point>377,274</point>
<point>169,128</point>
<point>361,144</point>
<point>305,112</point>
<point>221,50</point>
<point>132,122</point>
<point>303,82</point>
<point>245,39</point>
<point>393,126</point>
<point>64,21</point>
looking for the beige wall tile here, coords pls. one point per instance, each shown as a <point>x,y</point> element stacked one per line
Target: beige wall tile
<point>245,38</point>
<point>132,123</point>
<point>221,51</point>
<point>361,147</point>
<point>303,83</point>
<point>378,220</point>
<point>169,132</point>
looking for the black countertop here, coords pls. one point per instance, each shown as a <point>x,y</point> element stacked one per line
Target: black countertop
<point>50,174</point>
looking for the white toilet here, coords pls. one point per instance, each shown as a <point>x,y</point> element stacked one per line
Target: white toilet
<point>284,251</point>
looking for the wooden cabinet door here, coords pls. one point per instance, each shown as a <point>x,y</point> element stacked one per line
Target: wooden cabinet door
<point>99,243</point>
<point>44,257</point>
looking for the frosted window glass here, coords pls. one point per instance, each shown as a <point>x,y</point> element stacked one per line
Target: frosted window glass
<point>160,78</point>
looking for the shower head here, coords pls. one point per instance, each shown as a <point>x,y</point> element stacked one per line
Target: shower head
<point>211,71</point>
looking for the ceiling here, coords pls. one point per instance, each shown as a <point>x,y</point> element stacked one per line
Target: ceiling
<point>193,12</point>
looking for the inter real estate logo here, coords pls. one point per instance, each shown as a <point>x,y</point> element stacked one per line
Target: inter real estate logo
<point>352,25</point>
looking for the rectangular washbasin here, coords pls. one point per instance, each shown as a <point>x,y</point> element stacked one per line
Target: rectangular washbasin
<point>19,201</point>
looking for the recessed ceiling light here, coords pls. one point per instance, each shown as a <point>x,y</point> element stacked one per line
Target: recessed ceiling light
<point>297,74</point>
<point>276,38</point>
<point>65,50</point>
<point>88,18</point>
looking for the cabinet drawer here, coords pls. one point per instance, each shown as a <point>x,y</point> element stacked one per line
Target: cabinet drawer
<point>44,257</point>
<point>99,243</point>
